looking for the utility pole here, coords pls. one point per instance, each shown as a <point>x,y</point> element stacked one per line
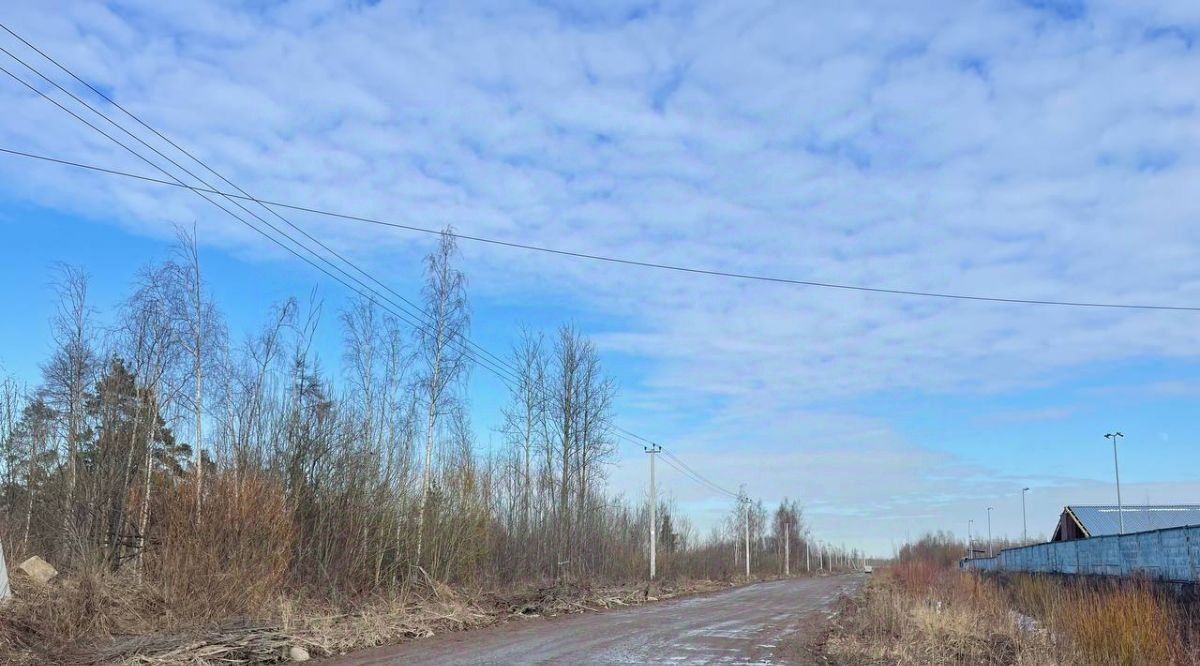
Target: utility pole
<point>653,451</point>
<point>747,525</point>
<point>989,531</point>
<point>787,549</point>
<point>1024,521</point>
<point>1117,467</point>
<point>807,560</point>
<point>970,548</point>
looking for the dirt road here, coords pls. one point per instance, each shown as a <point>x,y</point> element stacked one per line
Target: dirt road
<point>756,624</point>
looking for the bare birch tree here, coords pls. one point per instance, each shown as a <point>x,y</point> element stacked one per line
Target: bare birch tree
<point>441,345</point>
<point>70,368</point>
<point>197,332</point>
<point>525,419</point>
<point>565,413</point>
<point>149,341</point>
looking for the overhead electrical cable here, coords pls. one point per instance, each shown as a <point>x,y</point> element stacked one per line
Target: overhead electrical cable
<point>698,475</point>
<point>499,371</point>
<point>618,260</point>
<point>699,480</point>
<point>209,187</point>
<point>377,297</point>
<point>231,199</point>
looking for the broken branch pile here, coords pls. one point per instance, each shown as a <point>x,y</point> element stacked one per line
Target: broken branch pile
<point>382,622</point>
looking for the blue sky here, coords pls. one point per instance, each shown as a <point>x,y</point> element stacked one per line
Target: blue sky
<point>1043,150</point>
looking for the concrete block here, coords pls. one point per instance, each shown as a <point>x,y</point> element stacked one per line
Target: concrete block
<point>38,569</point>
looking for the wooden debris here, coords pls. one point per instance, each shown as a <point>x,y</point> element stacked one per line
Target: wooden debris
<point>439,610</point>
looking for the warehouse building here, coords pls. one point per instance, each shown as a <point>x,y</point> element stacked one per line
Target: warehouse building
<point>1086,521</point>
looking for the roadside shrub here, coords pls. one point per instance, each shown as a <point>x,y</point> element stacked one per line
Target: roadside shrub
<point>228,558</point>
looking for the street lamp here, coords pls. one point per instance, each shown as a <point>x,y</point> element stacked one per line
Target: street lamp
<point>1024,522</point>
<point>1117,468</point>
<point>989,531</point>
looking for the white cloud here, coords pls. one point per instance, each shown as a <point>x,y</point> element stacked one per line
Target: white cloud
<point>990,148</point>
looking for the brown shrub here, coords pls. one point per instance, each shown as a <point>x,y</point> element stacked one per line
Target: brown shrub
<point>917,576</point>
<point>231,557</point>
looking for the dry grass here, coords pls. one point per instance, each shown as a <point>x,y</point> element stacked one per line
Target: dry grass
<point>1129,622</point>
<point>921,613</point>
<point>228,561</point>
<point>318,629</point>
<point>42,622</point>
<point>117,619</point>
<point>921,619</point>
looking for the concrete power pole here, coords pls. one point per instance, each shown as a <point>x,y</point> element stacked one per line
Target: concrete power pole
<point>787,549</point>
<point>747,528</point>
<point>807,559</point>
<point>653,450</point>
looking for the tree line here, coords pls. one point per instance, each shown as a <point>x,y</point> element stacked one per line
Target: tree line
<point>160,445</point>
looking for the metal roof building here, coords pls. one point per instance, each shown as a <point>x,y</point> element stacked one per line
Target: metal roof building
<point>1084,521</point>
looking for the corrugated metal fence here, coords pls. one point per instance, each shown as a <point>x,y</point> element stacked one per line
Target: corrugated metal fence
<point>1171,554</point>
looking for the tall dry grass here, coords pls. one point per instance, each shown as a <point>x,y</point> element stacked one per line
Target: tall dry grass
<point>1119,622</point>
<point>919,613</point>
<point>922,613</point>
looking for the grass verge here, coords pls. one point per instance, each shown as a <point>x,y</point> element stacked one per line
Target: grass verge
<point>920,613</point>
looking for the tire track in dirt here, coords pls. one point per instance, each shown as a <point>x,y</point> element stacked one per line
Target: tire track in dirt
<point>742,626</point>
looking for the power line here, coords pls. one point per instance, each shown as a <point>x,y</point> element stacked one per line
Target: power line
<point>682,467</point>
<point>699,481</point>
<point>618,260</point>
<point>407,319</point>
<point>209,189</point>
<point>698,476</point>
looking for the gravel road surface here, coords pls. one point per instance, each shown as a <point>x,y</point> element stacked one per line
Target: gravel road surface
<point>757,624</point>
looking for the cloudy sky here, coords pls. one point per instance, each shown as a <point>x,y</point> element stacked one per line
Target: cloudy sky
<point>1047,149</point>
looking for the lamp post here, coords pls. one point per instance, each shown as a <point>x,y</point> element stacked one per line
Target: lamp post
<point>1024,522</point>
<point>1117,468</point>
<point>989,531</point>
